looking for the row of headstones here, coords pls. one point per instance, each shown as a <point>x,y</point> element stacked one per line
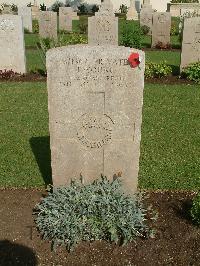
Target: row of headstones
<point>48,20</point>
<point>102,30</point>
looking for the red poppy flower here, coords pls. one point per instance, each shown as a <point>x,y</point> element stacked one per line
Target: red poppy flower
<point>134,60</point>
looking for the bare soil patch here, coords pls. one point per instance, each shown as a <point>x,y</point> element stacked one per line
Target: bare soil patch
<point>177,241</point>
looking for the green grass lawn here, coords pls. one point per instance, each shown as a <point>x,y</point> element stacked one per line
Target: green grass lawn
<point>170,154</point>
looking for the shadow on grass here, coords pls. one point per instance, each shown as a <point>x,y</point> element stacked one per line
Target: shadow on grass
<point>41,148</point>
<point>15,254</point>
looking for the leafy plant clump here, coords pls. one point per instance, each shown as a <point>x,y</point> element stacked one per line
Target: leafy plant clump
<point>195,211</point>
<point>154,70</point>
<point>35,26</point>
<point>131,35</point>
<point>145,29</point>
<point>192,72</point>
<point>98,211</point>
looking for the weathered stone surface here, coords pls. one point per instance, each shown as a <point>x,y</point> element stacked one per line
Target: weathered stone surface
<point>132,12</point>
<point>26,14</point>
<point>146,18</point>
<point>35,12</point>
<point>146,4</point>
<point>103,27</point>
<point>48,24</point>
<point>65,18</point>
<point>161,28</point>
<point>12,51</point>
<point>7,10</point>
<point>178,9</point>
<point>191,42</point>
<point>68,11</point>
<point>95,110</point>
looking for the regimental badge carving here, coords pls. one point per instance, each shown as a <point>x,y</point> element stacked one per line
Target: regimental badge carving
<point>94,131</point>
<point>7,24</point>
<point>146,20</point>
<point>162,18</point>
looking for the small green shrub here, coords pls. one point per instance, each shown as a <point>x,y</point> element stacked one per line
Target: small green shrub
<point>195,211</point>
<point>131,35</point>
<point>174,29</point>
<point>155,70</point>
<point>35,26</point>
<point>192,72</point>
<point>26,31</point>
<point>145,29</point>
<point>98,211</point>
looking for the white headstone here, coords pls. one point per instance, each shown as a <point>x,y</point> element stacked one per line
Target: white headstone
<point>48,24</point>
<point>103,27</point>
<point>132,12</point>
<point>65,18</point>
<point>12,51</point>
<point>161,28</point>
<point>26,14</point>
<point>95,113</point>
<point>191,42</point>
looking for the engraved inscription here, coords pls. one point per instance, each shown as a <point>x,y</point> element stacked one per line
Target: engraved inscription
<point>7,24</point>
<point>94,131</point>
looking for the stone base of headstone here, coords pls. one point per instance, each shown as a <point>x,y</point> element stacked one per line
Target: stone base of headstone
<point>95,114</point>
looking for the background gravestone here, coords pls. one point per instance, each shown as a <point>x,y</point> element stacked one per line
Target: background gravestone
<point>65,19</point>
<point>95,111</point>
<point>68,11</point>
<point>161,28</point>
<point>103,27</point>
<point>12,51</point>
<point>7,10</point>
<point>146,18</point>
<point>191,41</point>
<point>132,12</point>
<point>48,24</point>
<point>147,4</point>
<point>35,12</point>
<point>26,14</point>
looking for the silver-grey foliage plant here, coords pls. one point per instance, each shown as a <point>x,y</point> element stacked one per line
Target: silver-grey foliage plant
<point>98,211</point>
